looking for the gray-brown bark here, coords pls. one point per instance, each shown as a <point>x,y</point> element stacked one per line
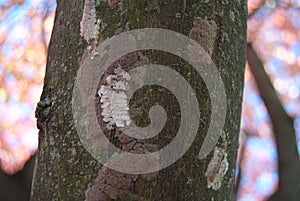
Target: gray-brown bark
<point>284,131</point>
<point>65,170</point>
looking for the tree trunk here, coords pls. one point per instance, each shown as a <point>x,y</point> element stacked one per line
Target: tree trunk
<point>65,170</point>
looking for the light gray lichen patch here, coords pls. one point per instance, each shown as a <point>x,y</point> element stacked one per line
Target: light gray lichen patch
<point>217,168</point>
<point>231,15</point>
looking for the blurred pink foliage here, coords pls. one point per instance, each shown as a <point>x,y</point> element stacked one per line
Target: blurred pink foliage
<point>25,28</point>
<point>274,32</point>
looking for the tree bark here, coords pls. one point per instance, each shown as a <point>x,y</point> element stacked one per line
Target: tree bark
<point>65,170</point>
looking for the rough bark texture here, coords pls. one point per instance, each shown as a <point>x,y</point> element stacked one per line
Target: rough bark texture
<point>65,170</point>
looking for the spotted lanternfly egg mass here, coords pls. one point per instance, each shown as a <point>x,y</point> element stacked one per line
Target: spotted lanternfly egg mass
<point>114,99</point>
<point>217,169</point>
<point>88,21</point>
<point>204,33</point>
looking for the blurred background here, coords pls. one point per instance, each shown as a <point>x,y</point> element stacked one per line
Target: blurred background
<point>25,29</point>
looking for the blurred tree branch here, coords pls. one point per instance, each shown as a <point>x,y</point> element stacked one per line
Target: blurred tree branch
<point>283,127</point>
<point>240,163</point>
<point>17,187</point>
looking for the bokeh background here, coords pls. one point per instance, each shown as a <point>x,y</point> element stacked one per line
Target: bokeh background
<point>273,29</point>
